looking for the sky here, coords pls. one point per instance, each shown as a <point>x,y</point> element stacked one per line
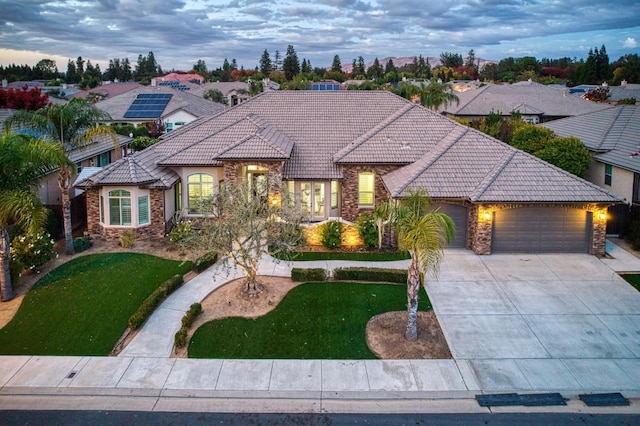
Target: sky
<point>179,32</point>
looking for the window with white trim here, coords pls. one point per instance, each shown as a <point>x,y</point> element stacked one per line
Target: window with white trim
<point>120,207</point>
<point>366,189</point>
<point>143,210</point>
<point>334,194</point>
<point>199,192</point>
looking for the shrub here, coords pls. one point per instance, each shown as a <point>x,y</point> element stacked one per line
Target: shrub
<point>370,274</point>
<point>308,274</point>
<point>331,233</point>
<point>181,233</point>
<point>81,244</point>
<point>127,239</point>
<point>30,251</point>
<point>204,261</point>
<point>180,339</point>
<point>150,303</point>
<point>633,235</point>
<point>368,230</point>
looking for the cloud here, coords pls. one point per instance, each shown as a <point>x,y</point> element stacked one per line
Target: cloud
<point>181,31</point>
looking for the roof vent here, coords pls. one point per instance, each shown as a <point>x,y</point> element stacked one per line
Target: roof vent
<point>405,146</point>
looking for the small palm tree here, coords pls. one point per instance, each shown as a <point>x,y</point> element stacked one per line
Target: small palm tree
<point>381,214</point>
<point>436,94</point>
<point>424,233</point>
<point>72,125</point>
<point>24,162</point>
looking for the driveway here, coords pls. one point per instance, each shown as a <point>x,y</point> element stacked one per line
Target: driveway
<point>532,315</point>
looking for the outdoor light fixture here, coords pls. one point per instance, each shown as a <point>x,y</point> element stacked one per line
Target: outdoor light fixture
<point>487,215</point>
<point>602,216</point>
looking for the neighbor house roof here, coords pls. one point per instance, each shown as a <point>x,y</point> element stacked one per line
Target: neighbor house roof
<point>117,106</point>
<point>223,86</point>
<point>107,90</point>
<point>613,134</point>
<point>315,133</point>
<point>528,98</point>
<point>98,146</point>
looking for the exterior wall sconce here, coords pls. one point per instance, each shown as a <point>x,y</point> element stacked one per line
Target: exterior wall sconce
<point>487,215</point>
<point>602,216</point>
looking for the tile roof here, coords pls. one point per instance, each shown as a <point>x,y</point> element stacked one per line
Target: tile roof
<point>98,146</point>
<point>613,134</point>
<point>535,98</point>
<point>108,90</point>
<point>118,105</point>
<point>315,132</point>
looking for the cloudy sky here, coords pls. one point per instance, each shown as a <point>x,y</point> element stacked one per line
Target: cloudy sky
<point>179,32</point>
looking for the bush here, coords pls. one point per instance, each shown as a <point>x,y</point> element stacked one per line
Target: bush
<point>180,339</point>
<point>31,251</point>
<point>129,129</point>
<point>308,274</point>
<point>127,239</point>
<point>81,244</point>
<point>181,232</point>
<point>633,235</point>
<point>368,230</point>
<point>204,261</point>
<point>150,303</point>
<point>370,274</point>
<point>331,233</point>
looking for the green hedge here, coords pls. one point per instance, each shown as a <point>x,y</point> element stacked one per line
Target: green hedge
<point>180,339</point>
<point>151,303</point>
<point>204,261</point>
<point>81,244</point>
<point>308,274</point>
<point>370,274</point>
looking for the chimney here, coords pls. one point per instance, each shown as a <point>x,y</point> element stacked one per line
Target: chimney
<point>153,82</point>
<point>5,83</point>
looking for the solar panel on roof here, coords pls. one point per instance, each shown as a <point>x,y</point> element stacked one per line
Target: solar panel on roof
<point>148,105</point>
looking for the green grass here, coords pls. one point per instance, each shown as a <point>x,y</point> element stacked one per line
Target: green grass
<point>82,307</point>
<point>324,320</point>
<point>633,279</point>
<point>347,255</point>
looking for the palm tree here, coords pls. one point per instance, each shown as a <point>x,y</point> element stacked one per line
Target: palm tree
<point>436,94</point>
<point>424,233</point>
<point>24,162</point>
<point>72,125</point>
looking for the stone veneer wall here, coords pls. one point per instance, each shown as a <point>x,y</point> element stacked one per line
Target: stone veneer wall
<point>480,229</point>
<point>350,209</point>
<point>155,228</point>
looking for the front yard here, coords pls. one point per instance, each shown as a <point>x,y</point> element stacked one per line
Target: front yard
<point>82,307</point>
<point>324,320</point>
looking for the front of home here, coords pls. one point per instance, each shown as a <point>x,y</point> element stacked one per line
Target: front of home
<point>341,153</point>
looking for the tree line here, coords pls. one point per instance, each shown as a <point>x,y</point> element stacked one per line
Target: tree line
<point>289,70</point>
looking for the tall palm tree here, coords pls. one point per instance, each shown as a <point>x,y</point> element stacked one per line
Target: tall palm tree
<point>436,94</point>
<point>71,125</point>
<point>424,232</point>
<point>24,162</point>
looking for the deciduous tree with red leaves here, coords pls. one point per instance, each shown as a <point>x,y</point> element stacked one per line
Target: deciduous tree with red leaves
<point>24,98</point>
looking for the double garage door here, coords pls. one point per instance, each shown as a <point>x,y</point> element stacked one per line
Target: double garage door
<point>541,230</point>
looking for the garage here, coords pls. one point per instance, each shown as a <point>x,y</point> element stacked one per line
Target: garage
<point>459,215</point>
<point>541,230</point>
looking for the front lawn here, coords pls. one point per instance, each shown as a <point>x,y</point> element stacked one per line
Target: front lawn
<point>325,320</point>
<point>82,307</point>
<point>633,279</point>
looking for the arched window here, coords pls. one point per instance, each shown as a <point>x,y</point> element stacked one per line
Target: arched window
<point>120,207</point>
<point>199,192</point>
<point>366,189</point>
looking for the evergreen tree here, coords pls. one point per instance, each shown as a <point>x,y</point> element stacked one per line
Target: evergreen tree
<point>336,66</point>
<point>291,65</point>
<point>265,63</point>
<point>72,73</point>
<point>305,68</point>
<point>225,74</point>
<point>375,70</point>
<point>359,69</point>
<point>451,60</point>
<point>277,61</point>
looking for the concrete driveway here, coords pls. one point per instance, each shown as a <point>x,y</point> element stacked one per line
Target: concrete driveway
<point>521,317</point>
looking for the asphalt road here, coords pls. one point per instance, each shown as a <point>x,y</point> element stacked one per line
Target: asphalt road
<point>130,418</point>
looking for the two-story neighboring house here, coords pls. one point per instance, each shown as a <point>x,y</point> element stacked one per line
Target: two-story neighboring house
<point>535,102</point>
<point>613,138</point>
<point>341,153</point>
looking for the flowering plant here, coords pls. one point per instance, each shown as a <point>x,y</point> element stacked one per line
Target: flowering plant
<point>31,251</point>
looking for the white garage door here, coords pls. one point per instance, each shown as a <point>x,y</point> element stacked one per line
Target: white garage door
<point>541,230</point>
